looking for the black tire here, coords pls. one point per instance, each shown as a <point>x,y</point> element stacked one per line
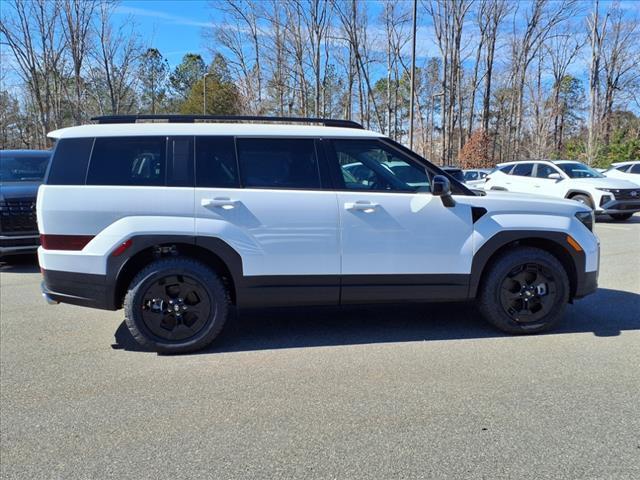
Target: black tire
<point>584,199</point>
<point>621,216</point>
<point>503,299</point>
<point>161,320</point>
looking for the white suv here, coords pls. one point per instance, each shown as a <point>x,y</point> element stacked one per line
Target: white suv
<point>625,171</point>
<point>618,198</point>
<point>179,221</point>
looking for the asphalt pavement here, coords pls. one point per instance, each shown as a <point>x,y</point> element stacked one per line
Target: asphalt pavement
<point>427,391</point>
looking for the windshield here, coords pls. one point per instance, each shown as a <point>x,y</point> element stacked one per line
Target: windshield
<point>455,173</point>
<point>23,168</point>
<point>409,175</point>
<point>579,170</point>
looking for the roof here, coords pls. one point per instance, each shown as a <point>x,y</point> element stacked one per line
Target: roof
<point>26,153</point>
<point>513,162</point>
<point>627,162</point>
<point>234,129</point>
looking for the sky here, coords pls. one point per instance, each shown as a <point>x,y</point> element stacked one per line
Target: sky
<point>176,27</point>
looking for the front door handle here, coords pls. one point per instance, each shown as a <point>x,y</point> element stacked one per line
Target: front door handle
<point>361,206</point>
<point>220,202</point>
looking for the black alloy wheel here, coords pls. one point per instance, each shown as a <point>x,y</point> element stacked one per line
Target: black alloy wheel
<point>524,290</point>
<point>528,293</point>
<point>175,307</point>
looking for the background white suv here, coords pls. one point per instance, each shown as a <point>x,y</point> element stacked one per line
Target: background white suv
<point>625,171</point>
<point>568,179</point>
<point>179,221</point>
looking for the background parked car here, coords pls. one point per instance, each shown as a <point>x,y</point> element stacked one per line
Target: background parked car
<point>625,171</point>
<point>21,172</point>
<point>568,179</point>
<point>475,177</point>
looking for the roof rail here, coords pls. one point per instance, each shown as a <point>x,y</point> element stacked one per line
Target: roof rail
<point>327,122</point>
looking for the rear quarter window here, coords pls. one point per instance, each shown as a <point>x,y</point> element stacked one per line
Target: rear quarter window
<point>69,163</point>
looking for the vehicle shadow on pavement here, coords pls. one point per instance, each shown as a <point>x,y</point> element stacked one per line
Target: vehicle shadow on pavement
<point>606,313</point>
<point>27,263</point>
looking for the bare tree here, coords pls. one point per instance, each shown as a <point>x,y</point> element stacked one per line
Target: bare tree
<point>597,28</point>
<point>315,16</point>
<point>493,17</point>
<point>115,57</point>
<point>621,64</point>
<point>561,49</point>
<point>540,20</point>
<point>31,31</point>
<point>448,18</point>
<point>353,25</point>
<point>242,36</point>
<point>77,16</point>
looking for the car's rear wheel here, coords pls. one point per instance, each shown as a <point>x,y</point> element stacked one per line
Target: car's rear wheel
<point>524,291</point>
<point>175,305</point>
<point>621,216</point>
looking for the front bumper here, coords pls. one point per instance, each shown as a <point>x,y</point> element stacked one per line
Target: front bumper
<point>82,289</point>
<point>586,285</point>
<point>13,244</point>
<point>619,206</point>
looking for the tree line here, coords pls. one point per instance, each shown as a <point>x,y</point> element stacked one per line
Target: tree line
<point>495,80</point>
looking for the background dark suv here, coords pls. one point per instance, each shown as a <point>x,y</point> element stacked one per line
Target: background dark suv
<point>21,172</point>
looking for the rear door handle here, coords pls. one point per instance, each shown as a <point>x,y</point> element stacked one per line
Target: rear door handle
<point>220,202</point>
<point>361,205</point>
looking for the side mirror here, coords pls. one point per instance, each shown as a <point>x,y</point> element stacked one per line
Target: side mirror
<point>441,187</point>
<point>555,176</point>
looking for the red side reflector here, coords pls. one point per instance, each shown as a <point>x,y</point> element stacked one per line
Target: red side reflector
<point>64,242</point>
<point>121,248</point>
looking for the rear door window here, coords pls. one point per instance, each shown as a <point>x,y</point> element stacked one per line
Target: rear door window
<point>523,169</point>
<point>135,161</point>
<point>278,163</point>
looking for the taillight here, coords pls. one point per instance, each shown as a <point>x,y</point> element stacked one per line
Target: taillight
<point>64,242</point>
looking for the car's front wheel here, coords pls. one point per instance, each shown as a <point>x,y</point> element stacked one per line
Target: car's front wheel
<point>621,216</point>
<point>525,290</point>
<point>175,305</point>
<point>583,199</point>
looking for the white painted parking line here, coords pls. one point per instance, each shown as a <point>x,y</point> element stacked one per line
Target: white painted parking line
<point>614,227</point>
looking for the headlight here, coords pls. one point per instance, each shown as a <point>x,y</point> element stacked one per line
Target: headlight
<point>587,219</point>
<point>610,190</point>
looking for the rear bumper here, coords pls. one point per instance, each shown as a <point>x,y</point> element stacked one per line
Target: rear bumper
<point>13,244</point>
<point>82,289</point>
